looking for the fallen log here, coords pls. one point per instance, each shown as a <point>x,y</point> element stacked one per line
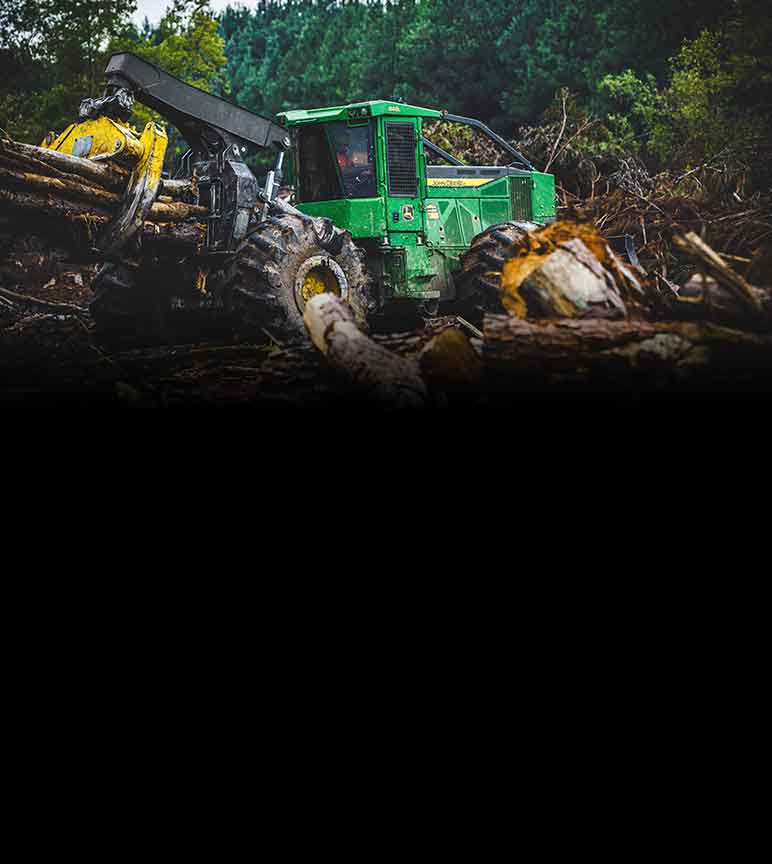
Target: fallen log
<point>703,298</point>
<point>78,223</point>
<point>450,364</point>
<point>370,370</point>
<point>589,348</point>
<point>571,282</point>
<point>46,305</point>
<point>56,187</point>
<point>744,294</point>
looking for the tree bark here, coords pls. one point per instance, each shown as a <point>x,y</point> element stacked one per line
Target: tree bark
<point>371,370</point>
<point>77,223</point>
<point>588,347</point>
<point>102,174</point>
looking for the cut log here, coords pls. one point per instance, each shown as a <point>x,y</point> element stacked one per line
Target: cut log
<point>591,347</point>
<point>369,369</point>
<point>703,298</point>
<point>102,174</point>
<point>77,223</point>
<point>450,364</point>
<point>571,283</point>
<point>566,269</point>
<point>176,212</point>
<point>55,186</point>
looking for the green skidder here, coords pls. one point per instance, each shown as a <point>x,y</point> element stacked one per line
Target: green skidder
<point>430,234</point>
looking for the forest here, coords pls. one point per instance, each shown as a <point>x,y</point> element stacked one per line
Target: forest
<point>676,84</point>
<point>655,118</point>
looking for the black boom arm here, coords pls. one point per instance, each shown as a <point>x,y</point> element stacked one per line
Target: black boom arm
<point>218,133</point>
<point>201,117</point>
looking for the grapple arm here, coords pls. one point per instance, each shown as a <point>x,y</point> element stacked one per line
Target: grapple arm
<point>218,133</point>
<point>209,124</point>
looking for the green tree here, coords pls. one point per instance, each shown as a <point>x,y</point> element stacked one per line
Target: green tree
<point>188,44</point>
<point>56,50</point>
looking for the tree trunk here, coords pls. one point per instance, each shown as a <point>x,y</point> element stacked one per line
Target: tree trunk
<point>371,370</point>
<point>576,350</point>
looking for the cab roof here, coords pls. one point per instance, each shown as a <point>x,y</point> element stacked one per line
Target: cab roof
<point>356,110</point>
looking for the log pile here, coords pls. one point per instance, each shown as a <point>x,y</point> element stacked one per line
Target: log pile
<point>68,200</point>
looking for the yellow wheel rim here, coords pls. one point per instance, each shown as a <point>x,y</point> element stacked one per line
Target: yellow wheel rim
<point>318,281</point>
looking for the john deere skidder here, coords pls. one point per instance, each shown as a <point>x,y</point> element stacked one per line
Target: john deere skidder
<point>372,221</point>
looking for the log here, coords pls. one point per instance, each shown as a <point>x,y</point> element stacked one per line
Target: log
<point>369,369</point>
<point>46,305</point>
<point>181,190</point>
<point>176,212</point>
<point>595,347</point>
<point>571,283</point>
<point>703,298</point>
<point>62,166</point>
<point>78,222</point>
<point>41,168</point>
<point>55,186</point>
<point>70,184</point>
<point>104,174</point>
<point>566,269</point>
<point>450,364</point>
<point>721,271</point>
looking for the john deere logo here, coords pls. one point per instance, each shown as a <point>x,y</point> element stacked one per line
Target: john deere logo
<point>407,212</point>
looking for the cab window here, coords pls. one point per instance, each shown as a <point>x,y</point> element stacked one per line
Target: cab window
<point>352,146</point>
<point>318,176</point>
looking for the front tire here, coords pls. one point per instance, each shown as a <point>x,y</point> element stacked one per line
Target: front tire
<point>288,259</point>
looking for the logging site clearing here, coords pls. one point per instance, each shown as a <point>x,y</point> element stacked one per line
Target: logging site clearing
<point>377,253</point>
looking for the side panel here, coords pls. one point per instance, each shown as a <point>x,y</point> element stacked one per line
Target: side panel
<point>363,217</point>
<point>543,197</point>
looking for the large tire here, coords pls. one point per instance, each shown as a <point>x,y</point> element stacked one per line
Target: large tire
<point>479,280</point>
<point>287,258</point>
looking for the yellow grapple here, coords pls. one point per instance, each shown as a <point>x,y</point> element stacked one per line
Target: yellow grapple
<point>103,139</point>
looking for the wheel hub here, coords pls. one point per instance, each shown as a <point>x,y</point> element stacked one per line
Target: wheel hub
<point>317,275</point>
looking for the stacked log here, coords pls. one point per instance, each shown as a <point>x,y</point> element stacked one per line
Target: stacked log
<point>71,199</point>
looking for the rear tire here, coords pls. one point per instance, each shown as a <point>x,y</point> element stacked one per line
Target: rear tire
<point>479,280</point>
<point>287,259</point>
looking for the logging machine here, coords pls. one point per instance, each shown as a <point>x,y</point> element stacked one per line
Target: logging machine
<point>370,220</point>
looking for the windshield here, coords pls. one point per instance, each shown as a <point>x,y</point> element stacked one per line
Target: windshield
<point>353,153</point>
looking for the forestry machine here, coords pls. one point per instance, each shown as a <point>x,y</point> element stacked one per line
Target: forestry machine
<point>372,220</point>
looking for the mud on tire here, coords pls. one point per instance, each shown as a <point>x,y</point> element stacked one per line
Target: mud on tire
<point>482,263</point>
<point>279,256</point>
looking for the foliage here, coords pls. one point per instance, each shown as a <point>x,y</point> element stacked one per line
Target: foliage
<point>186,43</point>
<point>675,84</point>
<point>52,55</point>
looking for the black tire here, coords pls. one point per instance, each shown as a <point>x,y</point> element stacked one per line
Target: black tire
<point>127,310</point>
<point>263,283</point>
<point>479,280</point>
